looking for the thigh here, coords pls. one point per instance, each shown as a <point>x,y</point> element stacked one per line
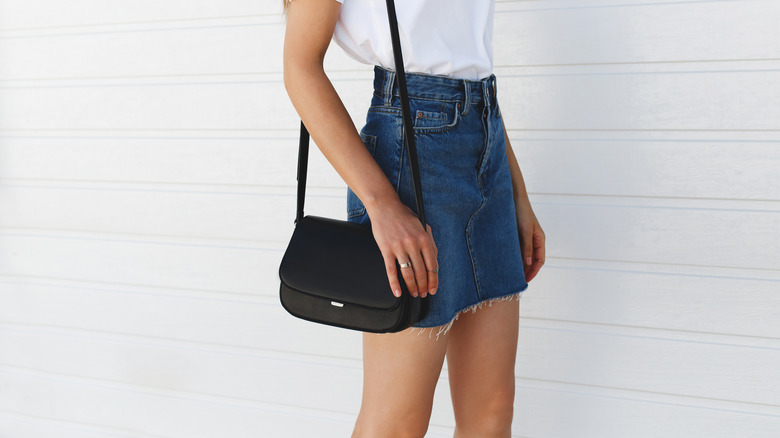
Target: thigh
<point>400,372</point>
<point>481,354</point>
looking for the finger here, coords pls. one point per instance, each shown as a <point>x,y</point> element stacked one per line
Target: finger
<point>435,249</point>
<point>431,263</point>
<point>540,244</point>
<point>533,270</point>
<point>433,280</point>
<point>539,255</point>
<point>392,275</point>
<point>528,248</point>
<point>420,273</point>
<point>408,275</point>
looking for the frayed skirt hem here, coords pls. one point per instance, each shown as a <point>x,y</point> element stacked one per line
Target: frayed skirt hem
<point>444,328</point>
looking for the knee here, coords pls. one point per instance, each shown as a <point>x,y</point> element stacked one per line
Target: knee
<point>498,421</point>
<point>492,420</point>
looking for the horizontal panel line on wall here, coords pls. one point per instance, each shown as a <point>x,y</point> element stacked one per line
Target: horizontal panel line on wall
<point>653,131</point>
<point>630,68</point>
<point>186,293</point>
<point>665,202</point>
<point>626,68</point>
<point>503,6</point>
<point>665,398</point>
<point>655,72</point>
<point>269,77</point>
<point>338,192</point>
<point>145,239</point>
<point>671,335</point>
<point>511,67</point>
<point>141,84</point>
<point>290,135</point>
<point>127,23</point>
<point>172,187</point>
<point>136,288</point>
<point>360,74</point>
<point>71,426</point>
<point>29,425</point>
<point>501,70</point>
<point>671,269</point>
<point>148,26</point>
<point>92,430</point>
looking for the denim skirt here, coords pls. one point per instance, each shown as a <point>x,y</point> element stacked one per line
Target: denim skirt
<point>466,185</point>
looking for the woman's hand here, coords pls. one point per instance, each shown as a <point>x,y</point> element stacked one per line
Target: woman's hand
<point>400,236</point>
<point>531,238</point>
<point>531,234</point>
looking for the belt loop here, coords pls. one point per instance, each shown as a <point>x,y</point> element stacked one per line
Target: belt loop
<point>389,80</point>
<point>467,100</point>
<point>486,91</point>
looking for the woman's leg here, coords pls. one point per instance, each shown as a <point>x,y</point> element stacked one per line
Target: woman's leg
<point>481,363</point>
<point>400,371</point>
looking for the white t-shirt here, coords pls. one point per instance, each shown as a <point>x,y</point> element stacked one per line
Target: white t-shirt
<point>452,38</point>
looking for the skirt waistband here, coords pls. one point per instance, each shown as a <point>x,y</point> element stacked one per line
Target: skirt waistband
<point>428,86</point>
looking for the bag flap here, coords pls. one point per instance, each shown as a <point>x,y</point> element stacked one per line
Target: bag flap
<point>337,260</point>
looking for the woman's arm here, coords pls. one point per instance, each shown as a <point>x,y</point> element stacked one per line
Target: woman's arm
<point>532,238</point>
<point>310,25</point>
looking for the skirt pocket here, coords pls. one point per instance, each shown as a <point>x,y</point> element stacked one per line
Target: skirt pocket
<point>432,115</point>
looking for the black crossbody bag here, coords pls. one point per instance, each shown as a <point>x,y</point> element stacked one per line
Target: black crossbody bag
<point>332,271</point>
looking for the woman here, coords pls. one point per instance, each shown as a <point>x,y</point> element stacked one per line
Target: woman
<point>488,241</point>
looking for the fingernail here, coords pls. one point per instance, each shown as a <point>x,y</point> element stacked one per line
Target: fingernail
<point>528,260</point>
<point>433,291</point>
<point>397,293</point>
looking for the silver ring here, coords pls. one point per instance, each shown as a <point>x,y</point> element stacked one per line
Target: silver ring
<point>406,265</point>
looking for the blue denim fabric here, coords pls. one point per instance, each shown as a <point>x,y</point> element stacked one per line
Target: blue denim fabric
<point>466,183</point>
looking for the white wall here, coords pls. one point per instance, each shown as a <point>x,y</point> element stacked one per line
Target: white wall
<point>147,177</point>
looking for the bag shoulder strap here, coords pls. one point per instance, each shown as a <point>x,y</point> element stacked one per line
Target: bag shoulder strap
<point>408,128</point>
